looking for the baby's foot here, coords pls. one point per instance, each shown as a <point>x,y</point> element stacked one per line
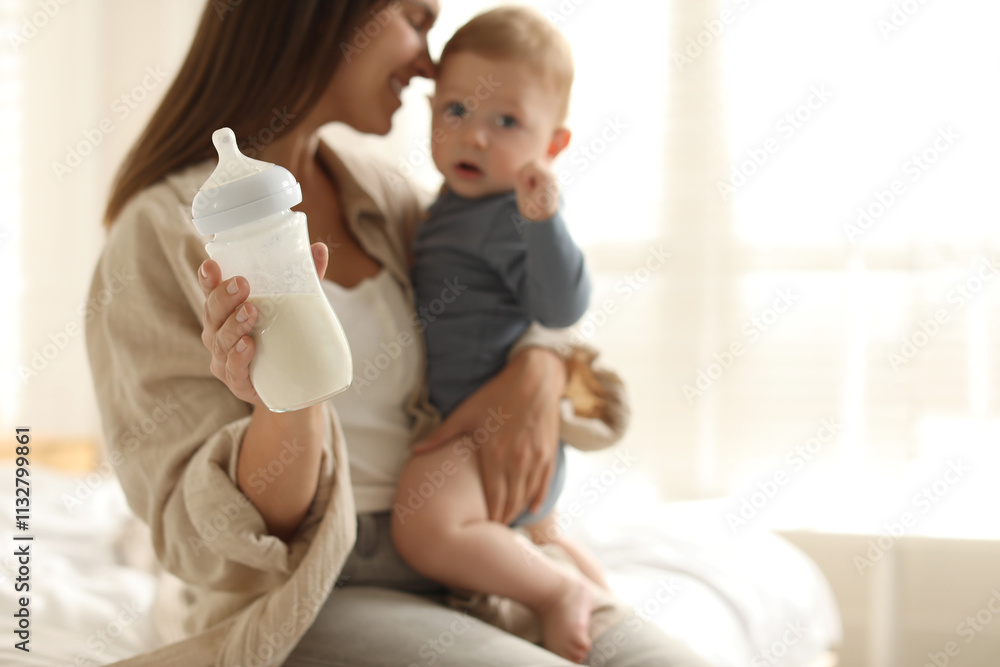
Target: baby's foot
<point>566,621</point>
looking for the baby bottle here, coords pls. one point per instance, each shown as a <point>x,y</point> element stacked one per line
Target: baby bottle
<point>301,355</point>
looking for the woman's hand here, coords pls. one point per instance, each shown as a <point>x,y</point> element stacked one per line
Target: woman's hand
<point>229,320</point>
<point>513,423</point>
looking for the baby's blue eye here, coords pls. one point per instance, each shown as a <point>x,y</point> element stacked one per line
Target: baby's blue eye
<point>455,109</point>
<point>507,121</point>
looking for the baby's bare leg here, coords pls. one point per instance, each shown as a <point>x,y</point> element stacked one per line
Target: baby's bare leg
<point>547,531</point>
<point>440,527</point>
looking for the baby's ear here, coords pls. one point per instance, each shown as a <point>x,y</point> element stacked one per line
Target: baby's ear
<point>560,139</point>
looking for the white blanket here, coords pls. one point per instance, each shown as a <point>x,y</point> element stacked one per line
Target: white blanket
<point>734,600</point>
<point>741,601</point>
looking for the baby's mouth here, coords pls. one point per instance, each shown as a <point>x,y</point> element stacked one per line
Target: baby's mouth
<point>468,170</point>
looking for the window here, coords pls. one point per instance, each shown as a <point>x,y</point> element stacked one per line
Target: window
<point>862,162</point>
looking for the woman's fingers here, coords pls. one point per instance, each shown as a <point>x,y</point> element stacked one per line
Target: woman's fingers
<point>538,489</point>
<point>238,369</point>
<point>450,429</point>
<point>236,327</point>
<point>494,488</point>
<point>209,275</point>
<point>229,319</point>
<point>517,486</point>
<point>223,300</point>
<point>321,257</point>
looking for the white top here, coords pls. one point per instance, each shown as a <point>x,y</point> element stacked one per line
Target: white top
<point>372,412</point>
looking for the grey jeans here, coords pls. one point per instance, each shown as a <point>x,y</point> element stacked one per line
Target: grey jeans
<point>386,615</point>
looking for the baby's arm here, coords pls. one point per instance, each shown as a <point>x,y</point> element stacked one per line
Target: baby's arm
<point>551,279</point>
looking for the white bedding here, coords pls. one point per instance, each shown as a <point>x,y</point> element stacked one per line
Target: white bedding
<point>752,600</point>
<point>730,598</point>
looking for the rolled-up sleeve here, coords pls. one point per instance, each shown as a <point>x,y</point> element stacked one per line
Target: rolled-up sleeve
<point>588,380</point>
<point>172,430</point>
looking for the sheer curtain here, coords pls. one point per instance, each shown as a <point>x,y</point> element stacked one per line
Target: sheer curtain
<point>860,257</point>
<point>71,106</point>
<point>10,193</point>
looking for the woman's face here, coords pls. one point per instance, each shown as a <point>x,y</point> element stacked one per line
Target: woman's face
<point>383,54</point>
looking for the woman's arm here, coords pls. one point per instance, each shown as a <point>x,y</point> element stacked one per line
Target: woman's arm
<point>280,454</point>
<point>173,432</point>
<point>279,465</point>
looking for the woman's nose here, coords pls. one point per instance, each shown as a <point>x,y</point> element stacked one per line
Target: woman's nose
<point>424,65</point>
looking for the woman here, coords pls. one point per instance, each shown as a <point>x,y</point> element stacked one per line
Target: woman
<point>255,511</point>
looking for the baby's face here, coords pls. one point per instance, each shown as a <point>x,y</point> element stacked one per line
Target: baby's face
<point>490,119</point>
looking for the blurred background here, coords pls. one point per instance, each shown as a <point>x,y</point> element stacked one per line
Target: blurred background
<point>789,209</point>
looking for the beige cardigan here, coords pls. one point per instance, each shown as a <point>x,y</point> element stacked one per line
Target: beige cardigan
<point>173,431</point>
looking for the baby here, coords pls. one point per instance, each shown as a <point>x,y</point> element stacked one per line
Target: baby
<point>495,234</point>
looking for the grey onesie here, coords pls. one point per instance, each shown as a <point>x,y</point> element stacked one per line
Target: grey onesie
<point>482,274</point>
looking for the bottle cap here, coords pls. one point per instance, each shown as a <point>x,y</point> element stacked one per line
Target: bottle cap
<point>241,189</point>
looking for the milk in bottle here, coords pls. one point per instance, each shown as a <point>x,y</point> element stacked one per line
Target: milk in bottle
<point>301,355</point>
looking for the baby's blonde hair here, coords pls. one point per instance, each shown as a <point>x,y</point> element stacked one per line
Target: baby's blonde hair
<point>522,34</point>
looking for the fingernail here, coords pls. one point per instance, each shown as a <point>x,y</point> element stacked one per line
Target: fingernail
<point>201,271</point>
<point>240,346</point>
<point>241,315</point>
<point>232,287</point>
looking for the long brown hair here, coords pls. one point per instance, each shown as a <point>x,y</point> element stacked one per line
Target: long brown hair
<point>252,63</point>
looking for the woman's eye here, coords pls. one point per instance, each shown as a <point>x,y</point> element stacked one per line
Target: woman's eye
<point>419,20</point>
<point>507,121</point>
<point>455,109</point>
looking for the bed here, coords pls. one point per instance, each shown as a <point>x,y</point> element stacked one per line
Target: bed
<point>747,601</point>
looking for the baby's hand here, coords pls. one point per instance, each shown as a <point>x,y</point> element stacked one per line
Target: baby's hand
<point>537,191</point>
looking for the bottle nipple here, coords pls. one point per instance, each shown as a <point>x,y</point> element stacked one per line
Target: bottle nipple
<point>241,189</point>
<point>233,164</point>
